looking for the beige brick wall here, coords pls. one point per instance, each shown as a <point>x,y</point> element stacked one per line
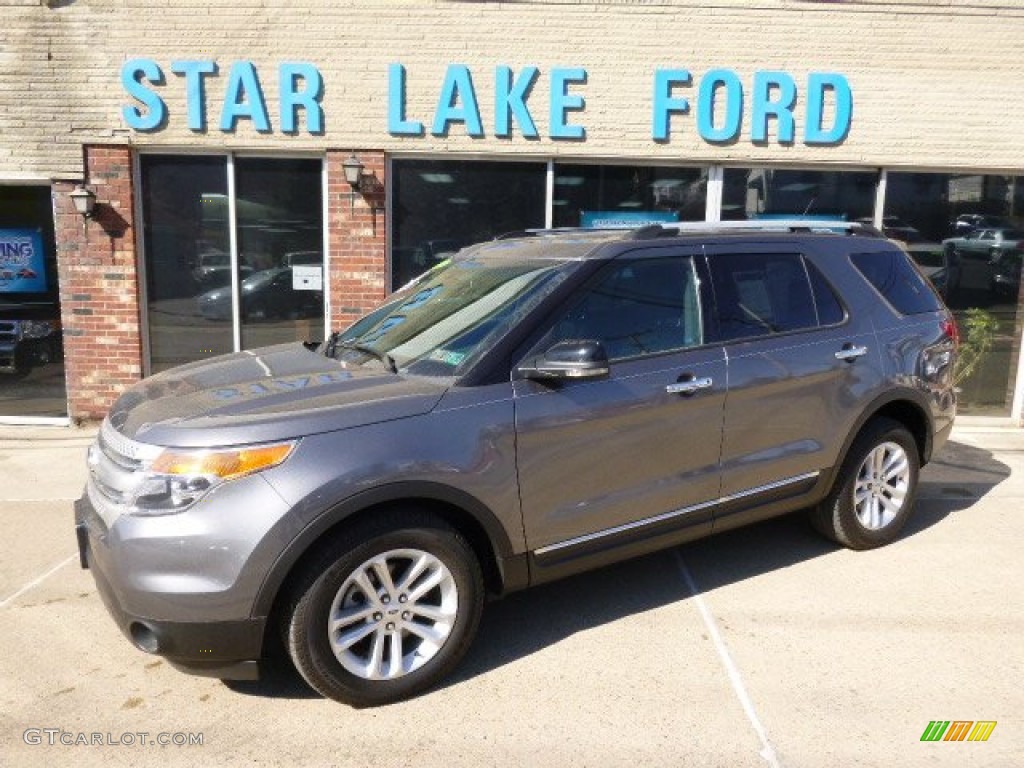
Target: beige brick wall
<point>935,85</point>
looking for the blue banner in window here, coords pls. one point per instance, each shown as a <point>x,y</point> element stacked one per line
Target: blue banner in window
<point>616,219</point>
<point>22,262</point>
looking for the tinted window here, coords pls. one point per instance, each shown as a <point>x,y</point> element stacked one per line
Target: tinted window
<point>610,195</point>
<point>637,308</point>
<point>826,304</point>
<point>758,294</point>
<point>440,206</point>
<point>767,193</point>
<point>891,273</point>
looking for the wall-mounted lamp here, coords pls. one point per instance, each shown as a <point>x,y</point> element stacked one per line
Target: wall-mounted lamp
<point>354,176</point>
<point>84,200</point>
<point>365,184</point>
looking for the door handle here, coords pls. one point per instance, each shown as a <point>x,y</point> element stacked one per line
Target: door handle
<point>850,352</point>
<point>689,386</point>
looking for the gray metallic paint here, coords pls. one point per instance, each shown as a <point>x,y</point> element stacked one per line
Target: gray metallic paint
<point>597,454</point>
<point>271,394</point>
<point>204,564</point>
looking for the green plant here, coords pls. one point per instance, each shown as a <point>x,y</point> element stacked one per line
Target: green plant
<point>978,331</point>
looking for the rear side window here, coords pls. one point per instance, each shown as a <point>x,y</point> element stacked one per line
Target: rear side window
<point>901,285</point>
<point>759,294</point>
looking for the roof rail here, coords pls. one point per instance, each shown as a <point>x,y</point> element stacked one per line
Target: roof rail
<point>538,231</point>
<point>757,225</point>
<point>668,229</point>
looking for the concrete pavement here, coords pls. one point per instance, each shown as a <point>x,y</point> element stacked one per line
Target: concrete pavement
<point>763,646</point>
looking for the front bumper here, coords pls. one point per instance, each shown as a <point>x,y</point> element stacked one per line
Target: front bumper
<point>228,649</point>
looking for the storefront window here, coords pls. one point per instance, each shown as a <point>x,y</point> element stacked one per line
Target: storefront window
<point>967,230</point>
<point>279,235</point>
<point>763,193</point>
<point>610,195</point>
<point>439,206</point>
<point>280,250</point>
<point>187,247</point>
<point>31,350</point>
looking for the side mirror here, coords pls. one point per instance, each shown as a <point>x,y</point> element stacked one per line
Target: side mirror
<point>568,360</point>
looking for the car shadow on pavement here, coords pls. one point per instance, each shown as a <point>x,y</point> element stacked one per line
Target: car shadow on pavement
<point>527,622</point>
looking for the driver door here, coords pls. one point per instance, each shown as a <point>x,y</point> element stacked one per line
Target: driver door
<point>629,461</point>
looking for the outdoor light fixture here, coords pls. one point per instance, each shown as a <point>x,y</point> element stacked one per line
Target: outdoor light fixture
<point>84,200</point>
<point>363,183</point>
<point>353,171</point>
<point>354,176</point>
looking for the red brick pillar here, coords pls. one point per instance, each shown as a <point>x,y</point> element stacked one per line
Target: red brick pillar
<point>99,285</point>
<point>357,237</point>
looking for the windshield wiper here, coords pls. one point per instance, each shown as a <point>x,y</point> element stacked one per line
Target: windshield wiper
<point>332,344</point>
<point>384,357</point>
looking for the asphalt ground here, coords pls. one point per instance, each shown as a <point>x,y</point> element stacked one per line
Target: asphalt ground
<point>765,646</point>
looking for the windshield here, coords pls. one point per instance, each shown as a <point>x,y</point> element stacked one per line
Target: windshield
<point>438,324</point>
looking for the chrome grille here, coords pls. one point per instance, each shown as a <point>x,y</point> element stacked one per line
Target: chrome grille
<point>124,449</point>
<point>115,466</point>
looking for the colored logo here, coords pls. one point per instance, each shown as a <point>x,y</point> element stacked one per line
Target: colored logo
<point>22,267</point>
<point>958,730</point>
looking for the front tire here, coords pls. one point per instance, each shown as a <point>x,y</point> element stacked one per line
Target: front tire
<point>386,611</point>
<point>874,493</point>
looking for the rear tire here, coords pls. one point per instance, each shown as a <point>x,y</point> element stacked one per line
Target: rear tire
<point>386,610</point>
<point>873,494</point>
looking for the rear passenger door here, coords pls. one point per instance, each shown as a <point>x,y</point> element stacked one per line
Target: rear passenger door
<point>799,363</point>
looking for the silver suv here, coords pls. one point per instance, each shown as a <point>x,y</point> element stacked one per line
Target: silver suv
<point>536,406</point>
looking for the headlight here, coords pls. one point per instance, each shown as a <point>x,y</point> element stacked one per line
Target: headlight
<point>36,329</point>
<point>177,478</point>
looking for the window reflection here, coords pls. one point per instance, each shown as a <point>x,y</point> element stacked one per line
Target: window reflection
<point>280,258</point>
<point>439,206</point>
<point>441,321</point>
<point>186,242</point>
<point>279,220</point>
<point>963,229</point>
<point>603,195</point>
<point>763,193</point>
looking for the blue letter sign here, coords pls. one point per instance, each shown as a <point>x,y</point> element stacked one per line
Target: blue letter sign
<point>131,78</point>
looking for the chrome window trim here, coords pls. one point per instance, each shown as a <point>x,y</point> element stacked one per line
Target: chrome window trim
<point>676,513</point>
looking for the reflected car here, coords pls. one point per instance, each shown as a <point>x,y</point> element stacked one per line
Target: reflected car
<point>309,258</point>
<point>1005,278</point>
<point>968,222</point>
<point>984,243</point>
<point>941,265</point>
<point>30,336</point>
<point>214,269</point>
<point>264,295</point>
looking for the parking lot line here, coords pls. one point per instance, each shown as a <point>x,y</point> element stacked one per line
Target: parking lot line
<point>767,751</point>
<point>37,581</point>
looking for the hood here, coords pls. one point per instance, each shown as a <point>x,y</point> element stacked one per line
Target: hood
<point>261,395</point>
